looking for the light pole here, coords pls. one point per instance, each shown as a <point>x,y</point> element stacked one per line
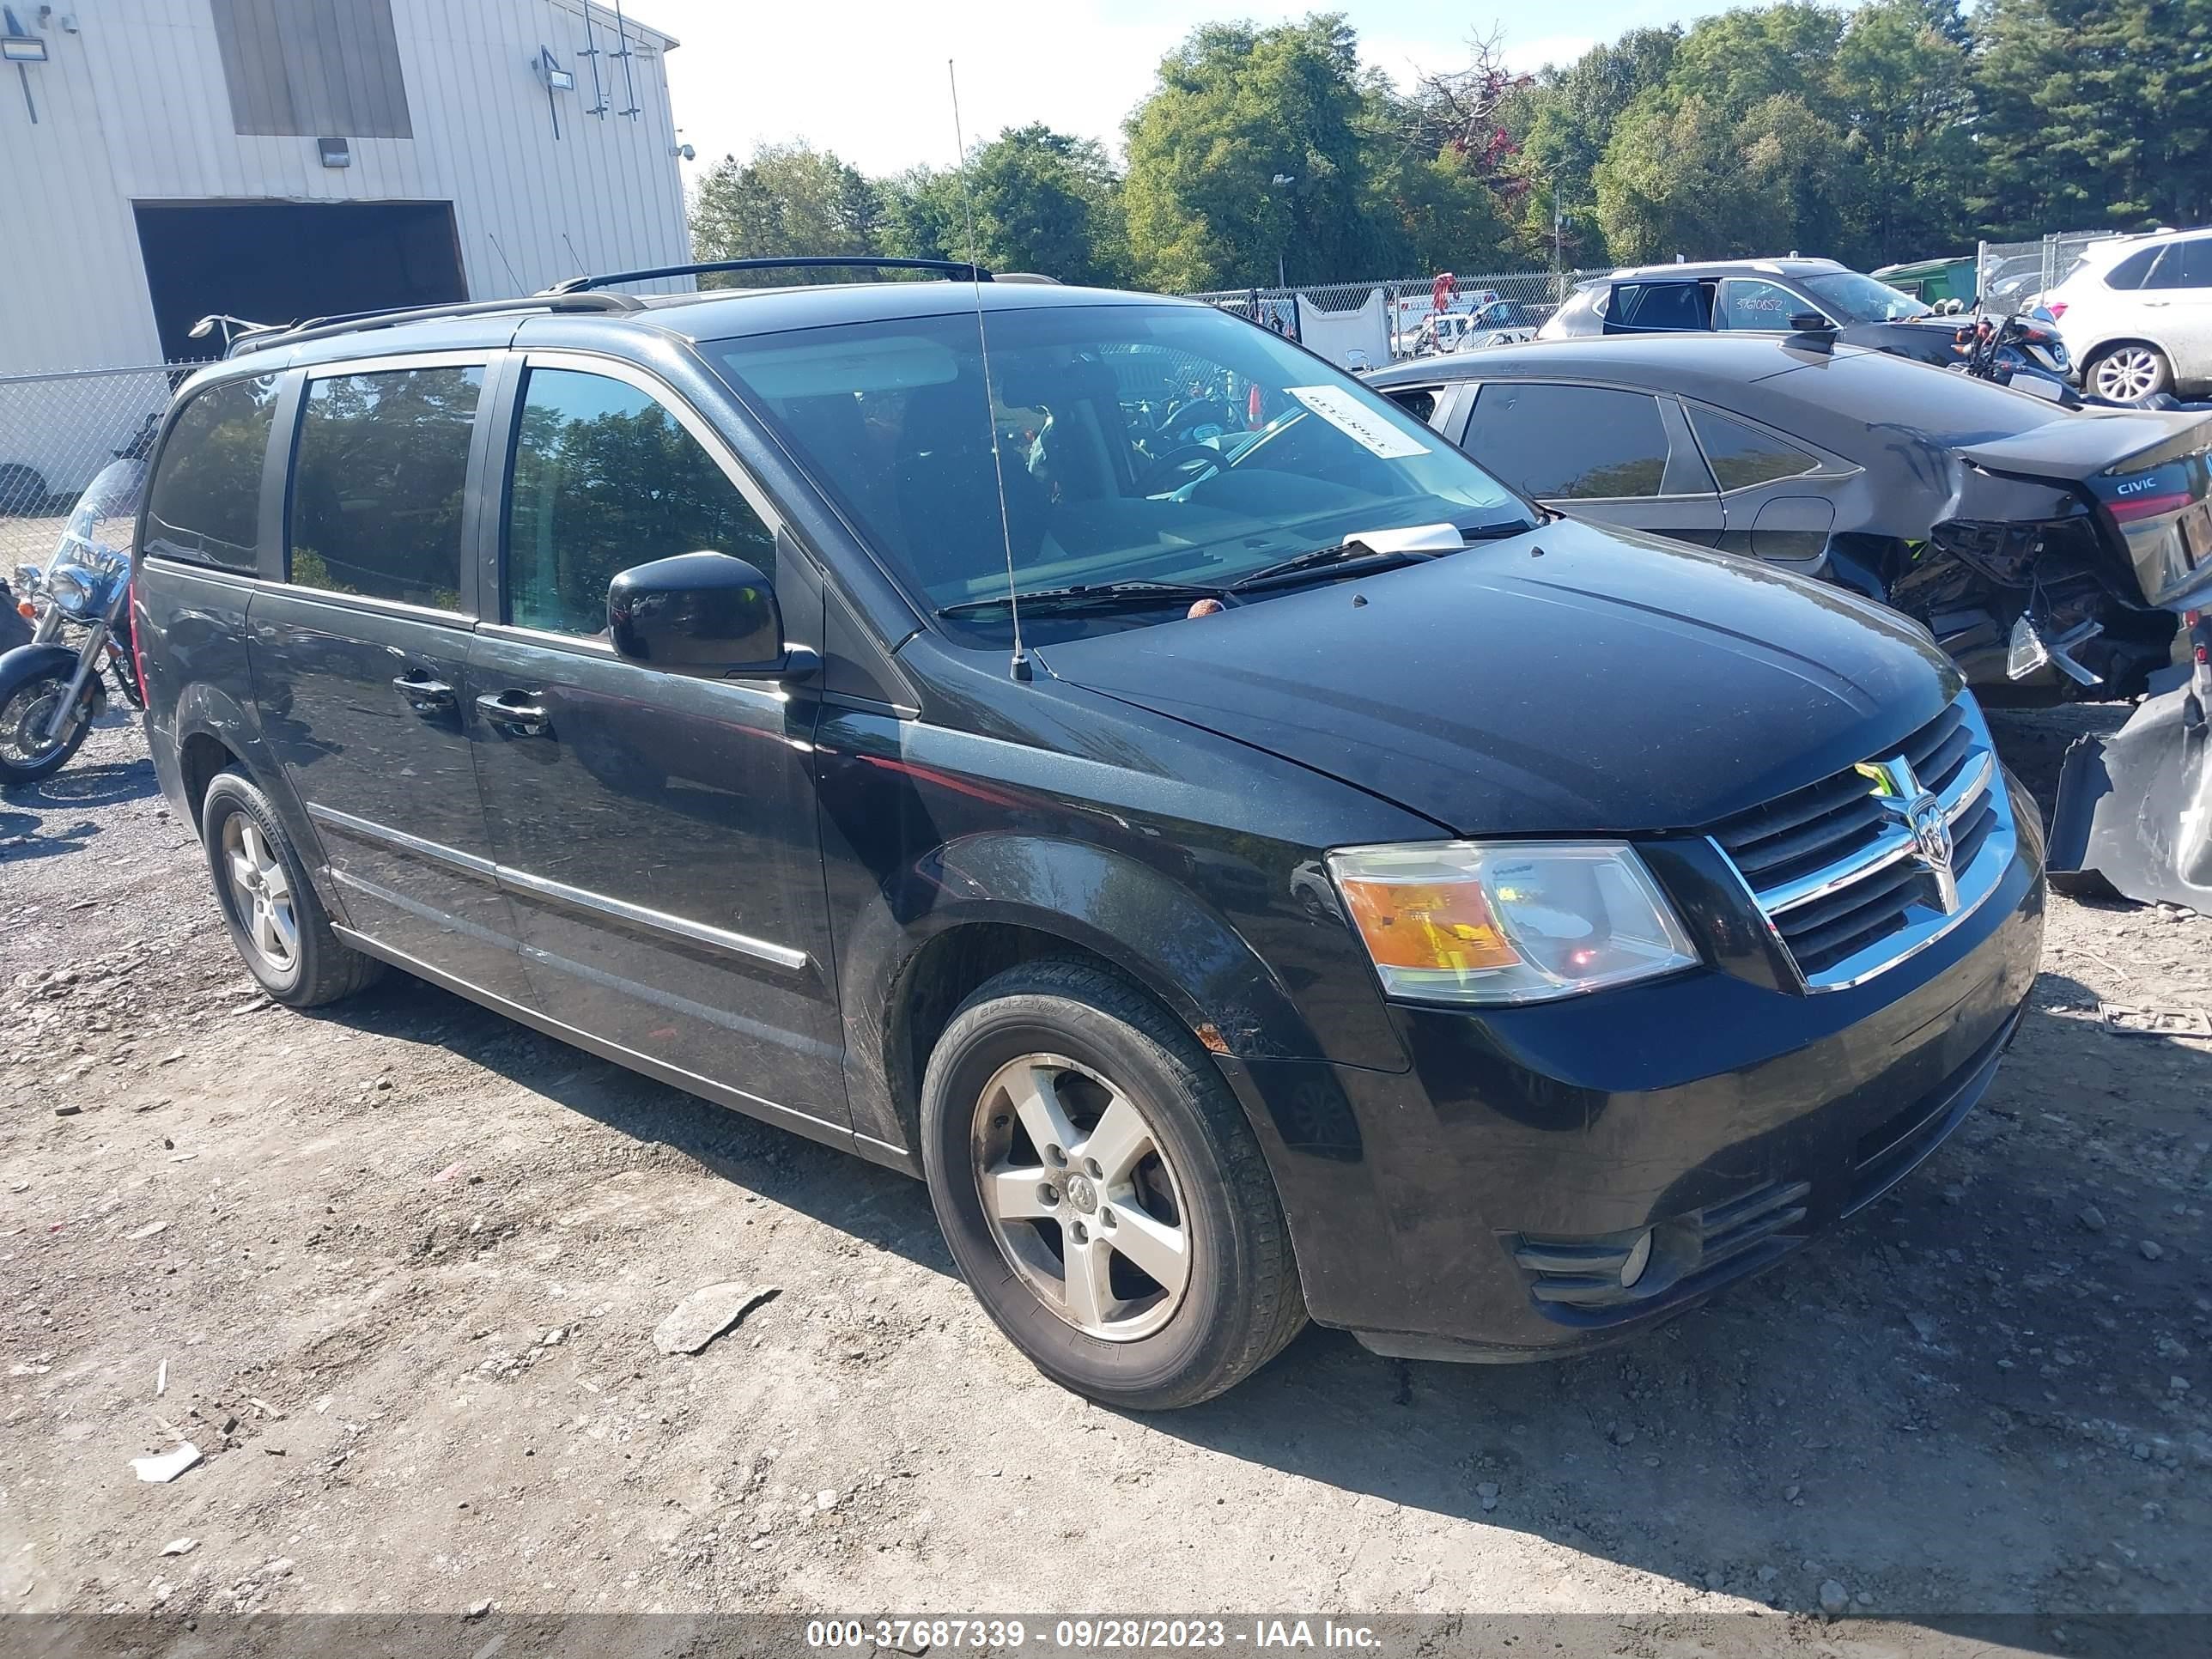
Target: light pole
<point>1281,181</point>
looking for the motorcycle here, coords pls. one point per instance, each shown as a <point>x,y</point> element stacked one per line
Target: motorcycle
<point>51,692</point>
<point>2025,353</point>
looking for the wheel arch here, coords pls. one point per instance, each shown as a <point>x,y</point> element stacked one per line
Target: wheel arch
<point>210,730</point>
<point>2116,342</point>
<point>997,900</point>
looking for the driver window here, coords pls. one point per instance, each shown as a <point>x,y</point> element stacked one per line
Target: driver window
<point>1749,302</point>
<point>605,478</point>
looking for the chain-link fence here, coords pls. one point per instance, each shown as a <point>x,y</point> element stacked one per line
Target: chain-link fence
<point>57,431</point>
<point>1381,321</point>
<point>2010,275</point>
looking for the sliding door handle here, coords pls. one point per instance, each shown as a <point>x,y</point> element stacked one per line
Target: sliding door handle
<point>424,695</point>
<point>518,712</point>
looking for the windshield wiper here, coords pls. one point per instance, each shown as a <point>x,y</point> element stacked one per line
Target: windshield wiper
<point>1087,596</point>
<point>1380,548</point>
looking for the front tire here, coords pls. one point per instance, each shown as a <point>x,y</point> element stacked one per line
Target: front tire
<point>276,921</point>
<point>2129,373</point>
<point>25,706</point>
<point>1102,1192</point>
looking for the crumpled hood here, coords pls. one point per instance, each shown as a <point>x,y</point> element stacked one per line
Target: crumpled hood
<point>1612,683</point>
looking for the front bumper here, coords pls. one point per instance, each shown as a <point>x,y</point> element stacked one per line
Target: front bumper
<point>1478,1205</point>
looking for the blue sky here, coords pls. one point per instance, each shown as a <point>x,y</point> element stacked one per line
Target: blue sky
<point>866,77</point>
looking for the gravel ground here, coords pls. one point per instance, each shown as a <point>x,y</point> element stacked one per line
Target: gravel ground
<point>394,1269</point>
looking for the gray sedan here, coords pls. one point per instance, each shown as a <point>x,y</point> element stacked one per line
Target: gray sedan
<point>2001,522</point>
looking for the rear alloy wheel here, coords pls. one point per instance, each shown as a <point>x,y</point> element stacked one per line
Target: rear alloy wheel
<point>1102,1192</point>
<point>261,894</point>
<point>275,919</point>
<point>2128,373</point>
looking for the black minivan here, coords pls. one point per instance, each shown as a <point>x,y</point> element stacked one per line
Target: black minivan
<point>1082,748</point>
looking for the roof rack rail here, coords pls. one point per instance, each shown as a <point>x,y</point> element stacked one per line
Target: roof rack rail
<point>319,328</point>
<point>953,268</point>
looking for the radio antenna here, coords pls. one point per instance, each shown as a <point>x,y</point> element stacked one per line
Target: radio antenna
<point>1020,666</point>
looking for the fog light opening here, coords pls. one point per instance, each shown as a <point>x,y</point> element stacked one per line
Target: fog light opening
<point>1639,1258</point>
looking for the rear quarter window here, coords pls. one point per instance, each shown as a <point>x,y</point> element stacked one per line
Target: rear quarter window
<point>2129,274</point>
<point>1742,456</point>
<point>205,504</point>
<point>1418,401</point>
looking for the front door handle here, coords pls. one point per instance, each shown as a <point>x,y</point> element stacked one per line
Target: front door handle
<point>518,712</point>
<point>424,695</point>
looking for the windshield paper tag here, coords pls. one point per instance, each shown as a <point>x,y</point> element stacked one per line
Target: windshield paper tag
<point>1363,426</point>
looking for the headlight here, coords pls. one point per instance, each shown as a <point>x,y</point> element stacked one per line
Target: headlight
<point>1474,922</point>
<point>77,591</point>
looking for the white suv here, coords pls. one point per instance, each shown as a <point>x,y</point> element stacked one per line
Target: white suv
<point>2136,313</point>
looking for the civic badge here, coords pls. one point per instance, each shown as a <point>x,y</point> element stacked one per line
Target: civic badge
<point>1899,794</point>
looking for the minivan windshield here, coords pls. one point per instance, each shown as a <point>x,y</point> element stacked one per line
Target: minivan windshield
<point>1162,444</point>
<point>1855,297</point>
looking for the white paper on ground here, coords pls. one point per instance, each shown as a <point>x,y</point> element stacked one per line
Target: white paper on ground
<point>168,1466</point>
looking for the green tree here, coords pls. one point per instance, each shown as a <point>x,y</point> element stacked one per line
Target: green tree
<point>1436,213</point>
<point>1235,108</point>
<point>922,215</point>
<point>1740,60</point>
<point>1671,182</point>
<point>1903,93</point>
<point>1050,202</point>
<point>1040,201</point>
<point>2093,114</point>
<point>1564,122</point>
<point>787,200</point>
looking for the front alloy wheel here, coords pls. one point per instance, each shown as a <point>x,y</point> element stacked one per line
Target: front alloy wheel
<point>1080,1197</point>
<point>1101,1191</point>
<point>2126,373</point>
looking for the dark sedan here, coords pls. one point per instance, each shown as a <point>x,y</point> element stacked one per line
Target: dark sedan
<point>2006,526</point>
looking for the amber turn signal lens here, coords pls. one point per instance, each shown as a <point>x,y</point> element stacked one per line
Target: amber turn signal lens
<point>1446,925</point>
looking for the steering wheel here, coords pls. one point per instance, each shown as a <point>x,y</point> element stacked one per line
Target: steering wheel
<point>1199,411</point>
<point>1180,459</point>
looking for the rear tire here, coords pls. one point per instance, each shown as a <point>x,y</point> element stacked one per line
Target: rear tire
<point>2129,373</point>
<point>26,705</point>
<point>1102,1192</point>
<point>279,926</point>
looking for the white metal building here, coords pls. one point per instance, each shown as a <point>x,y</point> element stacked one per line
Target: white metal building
<point>160,160</point>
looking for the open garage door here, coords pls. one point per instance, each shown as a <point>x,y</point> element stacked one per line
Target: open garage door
<point>280,261</point>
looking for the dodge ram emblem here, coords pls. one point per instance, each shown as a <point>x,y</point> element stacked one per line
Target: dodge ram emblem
<point>1924,819</point>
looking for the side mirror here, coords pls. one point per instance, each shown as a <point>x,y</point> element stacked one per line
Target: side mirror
<point>2043,314</point>
<point>1810,322</point>
<point>698,613</point>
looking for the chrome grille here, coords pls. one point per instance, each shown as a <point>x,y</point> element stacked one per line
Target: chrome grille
<point>1842,876</point>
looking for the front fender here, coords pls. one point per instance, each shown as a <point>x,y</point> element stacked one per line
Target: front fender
<point>1160,932</point>
<point>28,662</point>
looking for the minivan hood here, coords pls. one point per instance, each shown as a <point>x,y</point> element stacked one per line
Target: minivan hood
<point>1573,680</point>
